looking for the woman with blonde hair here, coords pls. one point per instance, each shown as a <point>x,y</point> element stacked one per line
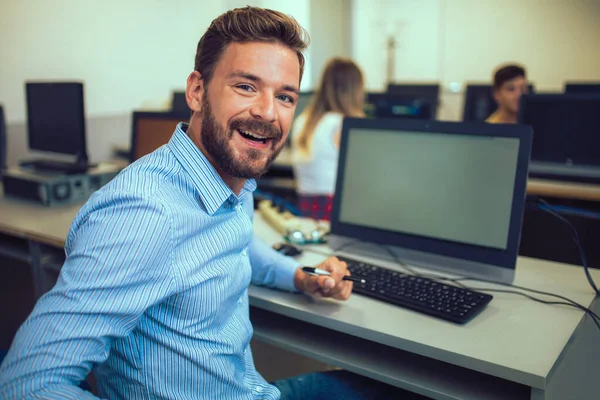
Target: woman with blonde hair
<point>316,135</point>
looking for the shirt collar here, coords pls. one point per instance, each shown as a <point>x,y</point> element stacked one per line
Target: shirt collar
<point>211,188</point>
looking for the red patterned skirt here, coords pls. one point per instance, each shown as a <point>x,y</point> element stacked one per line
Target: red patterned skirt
<point>315,207</point>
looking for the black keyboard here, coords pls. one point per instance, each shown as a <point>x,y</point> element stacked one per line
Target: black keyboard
<point>424,295</point>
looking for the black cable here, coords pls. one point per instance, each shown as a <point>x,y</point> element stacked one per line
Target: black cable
<point>575,236</point>
<point>457,282</point>
<point>568,302</point>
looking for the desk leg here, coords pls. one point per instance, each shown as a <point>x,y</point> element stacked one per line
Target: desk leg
<point>575,374</point>
<point>37,273</point>
<point>45,266</point>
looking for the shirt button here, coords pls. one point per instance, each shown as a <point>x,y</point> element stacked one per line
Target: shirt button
<point>244,253</point>
<point>241,300</point>
<point>259,389</point>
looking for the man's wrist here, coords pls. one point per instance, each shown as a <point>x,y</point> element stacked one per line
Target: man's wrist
<point>299,277</point>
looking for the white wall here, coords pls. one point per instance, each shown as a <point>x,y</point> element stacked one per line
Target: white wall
<point>415,24</point>
<point>465,40</point>
<point>130,54</point>
<point>330,29</point>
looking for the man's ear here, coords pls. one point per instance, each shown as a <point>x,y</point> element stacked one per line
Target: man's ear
<point>495,95</point>
<point>194,91</point>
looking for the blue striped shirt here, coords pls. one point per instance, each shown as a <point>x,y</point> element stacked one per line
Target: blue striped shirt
<point>153,294</point>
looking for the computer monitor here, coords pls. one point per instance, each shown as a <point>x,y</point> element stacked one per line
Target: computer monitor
<point>303,100</point>
<point>566,128</point>
<point>150,130</point>
<point>56,118</point>
<point>386,105</point>
<point>479,102</point>
<point>426,91</point>
<point>179,103</point>
<point>3,141</point>
<point>442,195</point>
<point>581,87</point>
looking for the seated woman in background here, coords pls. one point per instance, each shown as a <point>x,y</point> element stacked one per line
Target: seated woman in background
<point>316,135</point>
<point>510,83</point>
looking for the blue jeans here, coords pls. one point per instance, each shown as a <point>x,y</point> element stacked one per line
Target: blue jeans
<point>339,385</point>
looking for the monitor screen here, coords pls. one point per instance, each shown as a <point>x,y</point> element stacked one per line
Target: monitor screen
<point>590,88</point>
<point>428,91</point>
<point>384,105</point>
<point>55,115</point>
<point>437,187</point>
<point>566,128</point>
<point>179,103</point>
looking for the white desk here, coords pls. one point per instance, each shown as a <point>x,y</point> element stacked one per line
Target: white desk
<point>515,349</point>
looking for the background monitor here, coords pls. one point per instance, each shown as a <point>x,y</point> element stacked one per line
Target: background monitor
<point>3,141</point>
<point>566,127</point>
<point>386,105</point>
<point>150,130</point>
<point>179,102</point>
<point>426,91</point>
<point>444,195</point>
<point>56,117</point>
<point>303,101</point>
<point>581,88</point>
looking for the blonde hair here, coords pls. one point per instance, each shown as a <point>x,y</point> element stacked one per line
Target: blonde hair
<point>341,90</point>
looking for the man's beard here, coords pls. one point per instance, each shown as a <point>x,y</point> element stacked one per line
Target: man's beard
<point>216,142</point>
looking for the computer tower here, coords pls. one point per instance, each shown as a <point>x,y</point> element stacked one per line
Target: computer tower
<point>51,188</point>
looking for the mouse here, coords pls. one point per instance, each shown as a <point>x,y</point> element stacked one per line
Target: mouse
<point>287,249</point>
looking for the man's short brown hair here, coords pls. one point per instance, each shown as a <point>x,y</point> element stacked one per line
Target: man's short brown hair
<point>248,24</point>
<point>507,73</point>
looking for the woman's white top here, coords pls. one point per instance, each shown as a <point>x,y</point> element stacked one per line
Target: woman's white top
<point>316,171</point>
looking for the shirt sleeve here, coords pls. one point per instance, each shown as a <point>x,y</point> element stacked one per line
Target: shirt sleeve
<point>118,265</point>
<point>269,268</point>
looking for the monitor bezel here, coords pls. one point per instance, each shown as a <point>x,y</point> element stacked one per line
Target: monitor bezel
<point>486,255</point>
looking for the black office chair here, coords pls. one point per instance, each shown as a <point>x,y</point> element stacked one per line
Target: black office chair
<point>3,142</point>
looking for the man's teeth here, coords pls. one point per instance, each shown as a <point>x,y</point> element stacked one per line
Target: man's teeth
<point>254,135</point>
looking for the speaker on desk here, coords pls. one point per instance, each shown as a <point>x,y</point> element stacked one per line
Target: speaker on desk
<point>3,143</point>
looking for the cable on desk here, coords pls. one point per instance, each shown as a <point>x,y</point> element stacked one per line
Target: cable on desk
<point>458,282</point>
<point>575,236</point>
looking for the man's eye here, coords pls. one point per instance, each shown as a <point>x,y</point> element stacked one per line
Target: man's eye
<point>246,88</point>
<point>287,99</point>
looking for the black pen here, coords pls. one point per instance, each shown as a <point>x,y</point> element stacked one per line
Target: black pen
<point>317,271</point>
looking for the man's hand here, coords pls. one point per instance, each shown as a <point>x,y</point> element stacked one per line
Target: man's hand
<point>326,286</point>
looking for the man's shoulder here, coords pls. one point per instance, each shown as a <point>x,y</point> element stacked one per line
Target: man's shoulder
<point>151,180</point>
<point>156,176</point>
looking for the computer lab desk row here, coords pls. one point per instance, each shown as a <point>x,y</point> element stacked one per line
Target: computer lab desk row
<point>515,349</point>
